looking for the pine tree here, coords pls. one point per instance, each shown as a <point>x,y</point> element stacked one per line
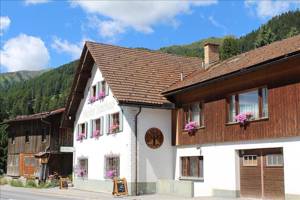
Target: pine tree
<point>3,148</point>
<point>229,48</point>
<point>293,31</point>
<point>265,36</point>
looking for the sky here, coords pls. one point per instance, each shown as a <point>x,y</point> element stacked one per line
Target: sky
<point>40,34</point>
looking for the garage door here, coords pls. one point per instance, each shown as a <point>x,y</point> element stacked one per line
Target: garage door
<point>261,173</point>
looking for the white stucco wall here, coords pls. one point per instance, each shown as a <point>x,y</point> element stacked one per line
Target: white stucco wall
<point>96,149</point>
<point>157,163</point>
<point>221,168</point>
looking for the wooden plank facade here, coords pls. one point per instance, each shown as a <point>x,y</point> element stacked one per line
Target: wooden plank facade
<point>283,83</point>
<point>32,135</point>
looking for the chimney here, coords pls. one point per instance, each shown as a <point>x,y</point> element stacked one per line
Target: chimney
<point>211,54</point>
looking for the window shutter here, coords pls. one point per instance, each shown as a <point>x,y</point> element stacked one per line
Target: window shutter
<point>86,129</point>
<point>102,125</point>
<point>107,123</point>
<point>121,121</point>
<point>91,128</point>
<point>106,88</point>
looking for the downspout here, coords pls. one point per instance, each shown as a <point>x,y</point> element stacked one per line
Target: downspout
<point>136,150</point>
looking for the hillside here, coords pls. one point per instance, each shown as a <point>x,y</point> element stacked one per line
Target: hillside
<point>9,78</point>
<point>282,26</point>
<point>50,89</point>
<point>41,93</point>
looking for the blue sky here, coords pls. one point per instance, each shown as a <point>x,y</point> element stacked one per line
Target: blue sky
<point>38,34</point>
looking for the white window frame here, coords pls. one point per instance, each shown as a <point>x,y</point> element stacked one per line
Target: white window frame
<point>253,162</point>
<point>277,164</point>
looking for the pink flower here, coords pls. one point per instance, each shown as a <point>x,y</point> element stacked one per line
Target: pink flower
<point>101,95</point>
<point>92,99</point>
<point>191,126</point>
<point>243,117</point>
<point>111,173</point>
<point>96,133</point>
<point>80,136</point>
<point>114,128</point>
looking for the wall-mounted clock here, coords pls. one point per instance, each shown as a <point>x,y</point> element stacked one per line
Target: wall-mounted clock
<point>154,138</point>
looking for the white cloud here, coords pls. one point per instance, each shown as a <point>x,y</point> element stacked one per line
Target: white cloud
<point>138,15</point>
<point>217,24</point>
<point>33,2</point>
<point>24,53</point>
<point>63,46</point>
<point>4,24</point>
<point>269,8</point>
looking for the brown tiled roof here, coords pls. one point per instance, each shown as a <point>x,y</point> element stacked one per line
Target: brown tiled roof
<point>240,62</point>
<point>36,115</point>
<point>139,76</point>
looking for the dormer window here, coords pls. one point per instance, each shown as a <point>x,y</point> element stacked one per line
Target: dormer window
<point>98,91</point>
<point>253,103</point>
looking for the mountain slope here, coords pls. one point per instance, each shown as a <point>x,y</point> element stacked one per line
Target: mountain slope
<point>281,25</point>
<point>9,78</point>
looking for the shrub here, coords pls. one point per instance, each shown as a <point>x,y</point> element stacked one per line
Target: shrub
<point>16,183</point>
<point>31,184</point>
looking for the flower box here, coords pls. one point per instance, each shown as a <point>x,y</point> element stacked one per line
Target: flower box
<point>191,127</point>
<point>114,128</point>
<point>96,133</point>
<point>243,118</point>
<point>80,136</point>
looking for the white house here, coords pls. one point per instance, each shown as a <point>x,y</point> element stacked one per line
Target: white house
<point>122,123</point>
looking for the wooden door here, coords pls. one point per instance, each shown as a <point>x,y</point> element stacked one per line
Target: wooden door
<point>262,173</point>
<point>250,173</point>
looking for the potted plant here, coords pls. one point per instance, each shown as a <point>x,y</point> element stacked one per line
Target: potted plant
<point>114,128</point>
<point>244,118</point>
<point>111,174</point>
<point>80,136</point>
<point>191,127</point>
<point>101,95</point>
<point>96,133</point>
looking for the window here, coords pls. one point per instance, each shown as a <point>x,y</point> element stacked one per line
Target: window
<point>98,91</point>
<point>115,122</point>
<point>82,131</point>
<point>255,102</point>
<point>274,160</point>
<point>82,167</point>
<point>192,166</point>
<point>44,134</point>
<point>193,112</point>
<point>250,160</point>
<point>112,166</point>
<point>97,127</point>
<point>27,136</point>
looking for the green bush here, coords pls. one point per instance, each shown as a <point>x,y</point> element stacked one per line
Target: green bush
<point>16,183</point>
<point>31,184</point>
<point>3,181</point>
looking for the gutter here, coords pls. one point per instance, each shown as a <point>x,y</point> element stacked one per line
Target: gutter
<point>136,150</point>
<point>235,73</point>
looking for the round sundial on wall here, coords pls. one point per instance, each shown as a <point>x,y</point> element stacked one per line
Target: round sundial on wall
<point>154,138</point>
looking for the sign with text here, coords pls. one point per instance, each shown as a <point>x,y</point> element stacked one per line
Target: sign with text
<point>120,187</point>
<point>67,149</point>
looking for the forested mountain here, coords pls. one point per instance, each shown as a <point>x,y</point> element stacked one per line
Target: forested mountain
<point>50,89</point>
<point>42,93</point>
<point>9,78</point>
<point>277,28</point>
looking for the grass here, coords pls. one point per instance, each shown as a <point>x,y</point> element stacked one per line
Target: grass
<point>16,183</point>
<point>3,181</point>
<point>31,184</point>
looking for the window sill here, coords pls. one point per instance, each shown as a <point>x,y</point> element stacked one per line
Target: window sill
<point>186,178</point>
<point>254,120</point>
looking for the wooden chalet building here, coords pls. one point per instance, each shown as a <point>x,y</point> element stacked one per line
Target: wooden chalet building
<point>246,141</point>
<point>34,139</point>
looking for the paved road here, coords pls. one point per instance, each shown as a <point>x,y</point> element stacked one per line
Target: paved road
<point>14,193</point>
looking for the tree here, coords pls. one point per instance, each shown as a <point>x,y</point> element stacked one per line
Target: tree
<point>229,48</point>
<point>3,148</point>
<point>293,31</point>
<point>265,36</point>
